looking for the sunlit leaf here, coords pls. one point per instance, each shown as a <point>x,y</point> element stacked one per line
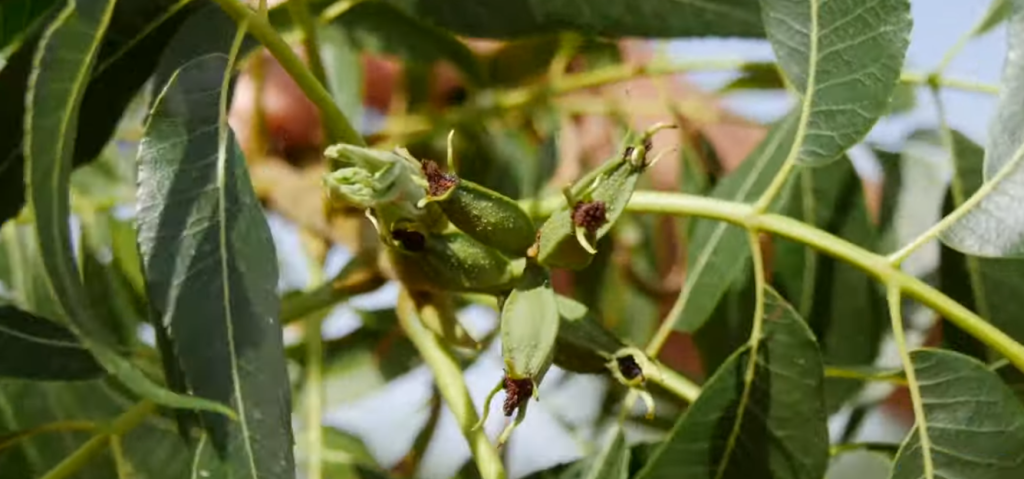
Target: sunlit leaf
<point>997,13</point>
<point>992,227</point>
<point>210,268</point>
<point>656,18</point>
<point>974,424</point>
<point>36,348</point>
<point>844,59</point>
<point>717,252</point>
<point>755,417</point>
<point>990,286</point>
<point>61,68</point>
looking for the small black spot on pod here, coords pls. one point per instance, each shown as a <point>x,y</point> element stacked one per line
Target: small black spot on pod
<point>410,240</point>
<point>628,367</point>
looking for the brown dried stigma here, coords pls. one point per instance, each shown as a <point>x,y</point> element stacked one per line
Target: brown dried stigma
<point>410,240</point>
<point>590,215</point>
<point>517,391</point>
<point>628,367</point>
<point>438,181</point>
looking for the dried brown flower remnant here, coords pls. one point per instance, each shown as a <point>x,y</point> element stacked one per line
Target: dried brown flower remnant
<point>517,391</point>
<point>628,367</point>
<point>590,215</point>
<point>439,182</point>
<point>410,240</point>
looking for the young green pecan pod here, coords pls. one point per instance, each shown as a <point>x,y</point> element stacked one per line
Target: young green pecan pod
<point>566,239</point>
<point>486,215</point>
<point>450,262</point>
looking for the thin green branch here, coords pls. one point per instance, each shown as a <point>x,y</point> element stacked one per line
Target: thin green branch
<point>896,315</point>
<point>338,127</point>
<point>314,389</point>
<point>880,376</point>
<point>24,434</point>
<point>449,379</point>
<point>744,215</point>
<point>299,10</point>
<point>359,276</point>
<point>922,79</point>
<point>676,383</point>
<point>124,423</point>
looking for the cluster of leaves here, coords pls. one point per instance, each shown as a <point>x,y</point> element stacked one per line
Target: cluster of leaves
<point>787,294</point>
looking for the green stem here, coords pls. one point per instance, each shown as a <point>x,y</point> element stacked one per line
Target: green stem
<point>314,395</point>
<point>299,10</point>
<point>338,127</point>
<point>124,423</point>
<point>449,379</point>
<point>357,277</point>
<point>744,215</point>
<point>883,376</point>
<point>908,368</point>
<point>921,79</point>
<point>676,383</point>
<point>16,437</point>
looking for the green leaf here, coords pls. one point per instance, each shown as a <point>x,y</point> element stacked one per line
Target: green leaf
<point>844,60</point>
<point>655,18</point>
<point>36,348</point>
<point>343,69</point>
<point>729,326</point>
<point>755,418</point>
<point>974,424</point>
<point>717,252</point>
<point>19,17</point>
<point>61,68</point>
<point>116,303</point>
<point>842,305</point>
<point>990,286</point>
<point>613,460</point>
<point>382,28</point>
<point>757,76</point>
<point>210,268</point>
<point>152,450</point>
<point>521,60</point>
<point>987,225</point>
<point>136,34</point>
<point>997,13</point>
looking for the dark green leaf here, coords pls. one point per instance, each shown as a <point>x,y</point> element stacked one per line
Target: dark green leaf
<point>717,252</point>
<point>974,424</point>
<point>842,305</point>
<point>756,417</point>
<point>382,28</point>
<point>519,61</point>
<point>990,286</point>
<point>19,17</point>
<point>117,306</point>
<point>61,68</point>
<point>35,348</point>
<point>989,227</point>
<point>729,326</point>
<point>210,268</point>
<point>655,18</point>
<point>757,76</point>
<point>844,59</point>
<point>135,36</point>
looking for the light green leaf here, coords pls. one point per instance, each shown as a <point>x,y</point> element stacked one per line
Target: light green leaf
<point>613,460</point>
<point>717,252</point>
<point>990,286</point>
<point>343,69</point>
<point>62,67</point>
<point>844,59</point>
<point>988,224</point>
<point>974,424</point>
<point>36,348</point>
<point>997,13</point>
<point>210,268</point>
<point>755,418</point>
<point>652,18</point>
